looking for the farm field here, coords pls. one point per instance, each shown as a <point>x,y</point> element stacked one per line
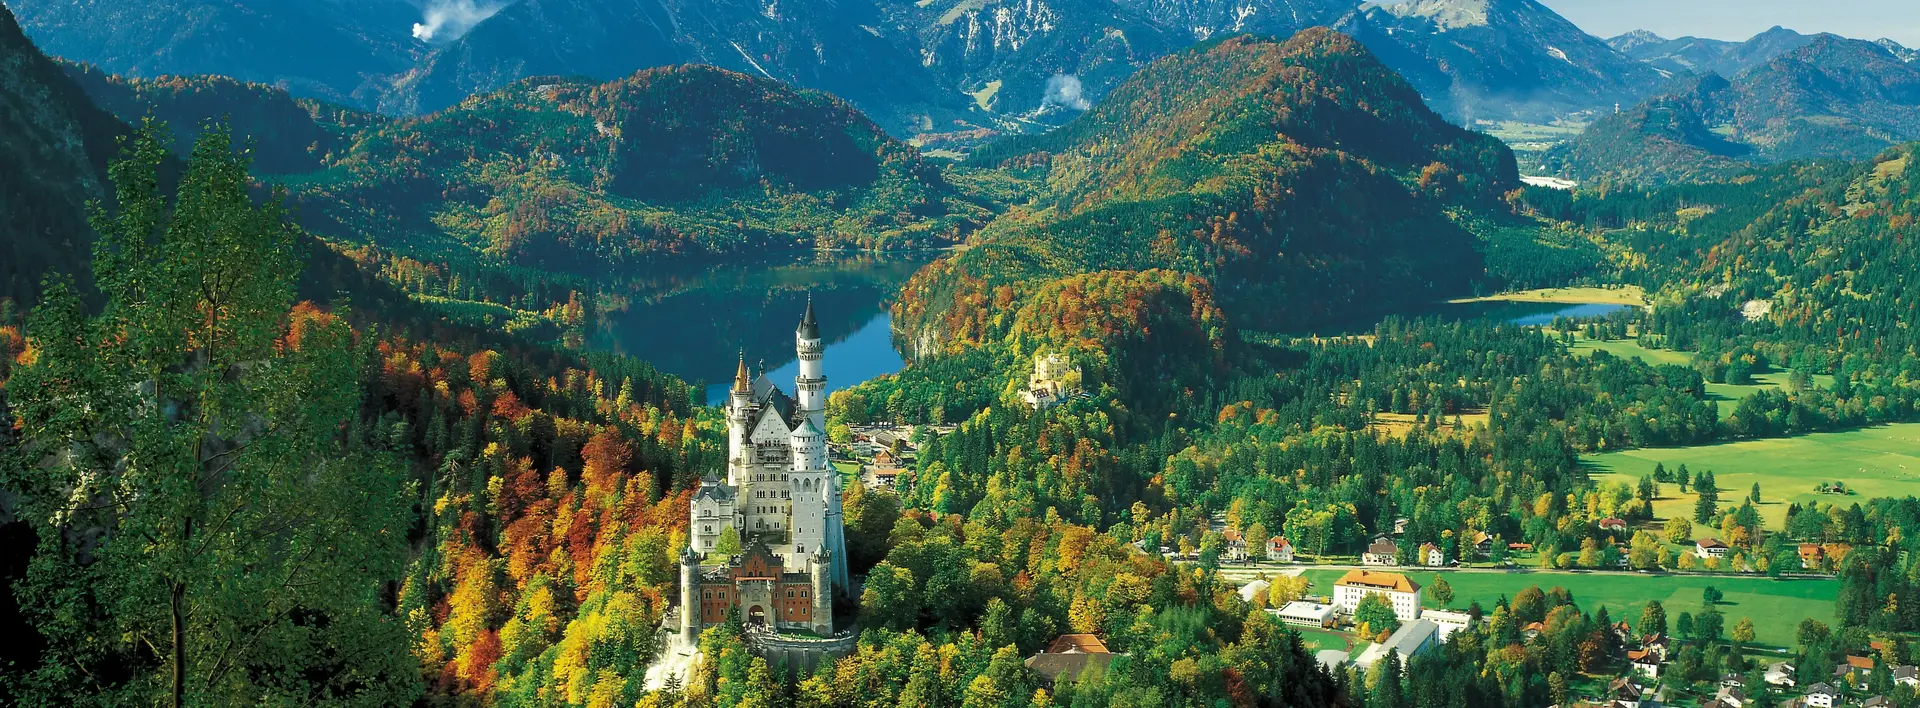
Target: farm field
<point>1873,462</point>
<point>1776,606</point>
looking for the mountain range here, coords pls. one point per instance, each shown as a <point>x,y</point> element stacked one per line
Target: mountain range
<point>1499,59</point>
<point>928,67</point>
<point>1830,98</point>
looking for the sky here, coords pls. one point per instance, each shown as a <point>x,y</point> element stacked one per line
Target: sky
<point>1740,19</point>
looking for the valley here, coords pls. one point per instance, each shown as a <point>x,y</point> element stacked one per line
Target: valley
<point>951,353</point>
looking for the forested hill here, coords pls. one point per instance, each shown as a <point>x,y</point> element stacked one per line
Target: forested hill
<point>569,173</point>
<point>1832,98</point>
<point>1301,172</point>
<point>284,134</point>
<point>55,149</point>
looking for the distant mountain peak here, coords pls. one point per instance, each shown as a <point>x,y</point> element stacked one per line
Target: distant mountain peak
<point>1898,50</point>
<point>1634,38</point>
<point>1445,14</point>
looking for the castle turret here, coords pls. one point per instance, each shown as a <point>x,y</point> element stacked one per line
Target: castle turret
<point>807,481</point>
<point>835,543</point>
<point>690,597</point>
<point>739,416</point>
<point>810,386</point>
<point>819,570</point>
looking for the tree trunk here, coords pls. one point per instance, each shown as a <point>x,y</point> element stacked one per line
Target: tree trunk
<point>178,601</point>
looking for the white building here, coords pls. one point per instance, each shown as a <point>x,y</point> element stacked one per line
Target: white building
<point>780,490</point>
<point>1450,621</point>
<point>1305,614</point>
<point>1251,589</point>
<point>1431,556</point>
<point>1279,550</point>
<point>1821,695</point>
<point>1401,593</point>
<point>1412,638</point>
<point>1780,675</point>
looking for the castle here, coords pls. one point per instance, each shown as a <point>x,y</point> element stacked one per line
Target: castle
<point>780,498</point>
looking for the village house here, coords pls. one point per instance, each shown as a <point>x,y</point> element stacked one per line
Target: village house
<point>1710,548</point>
<point>1821,695</point>
<point>1381,552</point>
<point>1431,556</point>
<point>1236,548</point>
<point>1625,691</point>
<point>1481,542</point>
<point>1279,550</point>
<point>1615,525</point>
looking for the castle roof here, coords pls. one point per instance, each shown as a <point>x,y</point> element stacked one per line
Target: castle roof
<point>809,328</point>
<point>806,427</point>
<point>713,489</point>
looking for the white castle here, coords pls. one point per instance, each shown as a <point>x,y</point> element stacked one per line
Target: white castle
<point>780,491</point>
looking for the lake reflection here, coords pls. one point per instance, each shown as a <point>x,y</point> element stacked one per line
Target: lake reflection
<point>692,321</point>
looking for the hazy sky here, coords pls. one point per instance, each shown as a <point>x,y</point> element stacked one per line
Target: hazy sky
<point>1740,19</point>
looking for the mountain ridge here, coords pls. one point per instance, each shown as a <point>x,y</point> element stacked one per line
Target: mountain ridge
<point>1496,59</point>
<point>1832,98</point>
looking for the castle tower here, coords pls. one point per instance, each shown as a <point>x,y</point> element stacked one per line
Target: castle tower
<point>807,482</point>
<point>818,569</point>
<point>810,387</point>
<point>739,416</point>
<point>836,540</point>
<point>690,597</point>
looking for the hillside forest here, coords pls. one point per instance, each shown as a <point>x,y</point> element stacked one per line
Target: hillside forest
<point>300,407</point>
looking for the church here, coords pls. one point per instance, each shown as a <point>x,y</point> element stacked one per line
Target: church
<point>780,498</point>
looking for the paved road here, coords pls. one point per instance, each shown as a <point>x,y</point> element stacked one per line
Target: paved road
<point>1250,572</point>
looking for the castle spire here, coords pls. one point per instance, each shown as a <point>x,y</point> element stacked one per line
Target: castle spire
<point>809,328</point>
<point>740,382</point>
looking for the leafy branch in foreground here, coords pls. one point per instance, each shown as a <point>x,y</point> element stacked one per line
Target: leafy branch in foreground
<point>209,531</point>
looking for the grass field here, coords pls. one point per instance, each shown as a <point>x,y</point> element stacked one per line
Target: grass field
<point>1874,462</point>
<point>1621,295</point>
<point>1399,424</point>
<point>1776,606</point>
<point>1320,640</point>
<point>1726,395</point>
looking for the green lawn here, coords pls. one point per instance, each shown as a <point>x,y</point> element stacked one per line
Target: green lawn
<point>1874,462</point>
<point>1776,606</point>
<point>1319,639</point>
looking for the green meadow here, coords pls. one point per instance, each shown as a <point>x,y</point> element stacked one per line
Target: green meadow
<point>1874,462</point>
<point>1776,606</point>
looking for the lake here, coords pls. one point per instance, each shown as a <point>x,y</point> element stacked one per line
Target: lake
<point>694,321</point>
